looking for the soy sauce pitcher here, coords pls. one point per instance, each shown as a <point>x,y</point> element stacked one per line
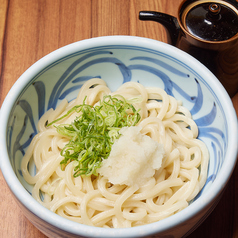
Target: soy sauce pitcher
<point>207,30</point>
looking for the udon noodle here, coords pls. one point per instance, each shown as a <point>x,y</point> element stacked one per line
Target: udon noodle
<point>92,200</point>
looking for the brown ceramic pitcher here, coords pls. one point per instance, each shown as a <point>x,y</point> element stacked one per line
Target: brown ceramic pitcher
<point>208,30</point>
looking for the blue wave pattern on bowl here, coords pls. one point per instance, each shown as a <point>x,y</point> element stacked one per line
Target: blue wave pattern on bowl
<point>116,65</point>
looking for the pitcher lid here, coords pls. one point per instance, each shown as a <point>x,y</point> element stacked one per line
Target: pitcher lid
<point>211,20</point>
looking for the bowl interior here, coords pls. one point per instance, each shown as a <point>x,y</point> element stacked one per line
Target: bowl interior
<point>164,67</point>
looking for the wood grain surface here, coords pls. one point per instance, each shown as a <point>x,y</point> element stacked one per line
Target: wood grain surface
<point>30,29</point>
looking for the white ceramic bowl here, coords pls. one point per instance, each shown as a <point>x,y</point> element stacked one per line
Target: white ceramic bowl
<point>118,59</point>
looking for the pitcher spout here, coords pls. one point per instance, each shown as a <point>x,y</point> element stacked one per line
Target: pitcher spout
<point>169,22</point>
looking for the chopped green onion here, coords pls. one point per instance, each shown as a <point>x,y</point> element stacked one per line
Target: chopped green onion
<point>94,131</point>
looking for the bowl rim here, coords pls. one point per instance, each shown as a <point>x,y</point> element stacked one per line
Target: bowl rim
<point>197,206</point>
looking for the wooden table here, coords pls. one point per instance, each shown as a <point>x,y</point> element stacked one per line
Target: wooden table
<point>30,29</point>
